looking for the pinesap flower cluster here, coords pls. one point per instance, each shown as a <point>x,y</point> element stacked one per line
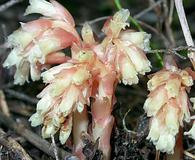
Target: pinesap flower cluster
<point>92,72</point>
<point>168,105</point>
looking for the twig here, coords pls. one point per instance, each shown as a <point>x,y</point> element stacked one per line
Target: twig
<point>3,27</point>
<point>9,4</point>
<point>124,123</point>
<point>54,147</point>
<point>177,49</point>
<point>20,108</point>
<point>3,104</point>
<point>185,28</point>
<point>98,19</point>
<point>171,10</point>
<point>21,96</point>
<point>183,22</point>
<point>189,154</point>
<point>31,137</point>
<point>174,50</point>
<point>13,146</point>
<point>191,148</point>
<point>157,157</point>
<point>143,12</point>
<point>169,31</point>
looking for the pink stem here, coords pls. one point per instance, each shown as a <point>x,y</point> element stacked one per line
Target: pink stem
<point>102,124</point>
<point>102,112</point>
<point>80,125</point>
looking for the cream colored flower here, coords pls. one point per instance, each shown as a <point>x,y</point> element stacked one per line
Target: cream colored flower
<point>168,106</point>
<point>39,43</point>
<point>123,50</point>
<point>139,39</point>
<point>50,9</point>
<point>115,24</point>
<point>68,90</point>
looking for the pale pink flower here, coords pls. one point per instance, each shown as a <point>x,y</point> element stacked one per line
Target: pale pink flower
<point>39,39</point>
<point>68,90</point>
<point>123,50</point>
<point>168,105</point>
<point>50,9</point>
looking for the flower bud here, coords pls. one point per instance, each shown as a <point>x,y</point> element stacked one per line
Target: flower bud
<point>87,34</point>
<point>52,10</point>
<point>65,130</point>
<point>168,106</point>
<point>115,24</point>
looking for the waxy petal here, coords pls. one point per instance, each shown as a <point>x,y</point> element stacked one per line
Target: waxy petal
<point>154,103</point>
<point>166,143</point>
<point>87,34</point>
<point>65,130</point>
<point>127,69</point>
<point>140,39</point>
<point>173,86</point>
<point>139,59</point>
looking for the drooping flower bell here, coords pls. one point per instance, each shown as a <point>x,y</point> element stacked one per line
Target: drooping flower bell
<point>168,106</point>
<point>38,43</point>
<point>124,50</point>
<point>68,90</point>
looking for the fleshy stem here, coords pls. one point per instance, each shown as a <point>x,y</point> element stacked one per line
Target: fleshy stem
<point>80,125</point>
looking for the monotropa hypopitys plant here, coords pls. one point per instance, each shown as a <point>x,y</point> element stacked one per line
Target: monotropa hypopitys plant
<point>92,72</point>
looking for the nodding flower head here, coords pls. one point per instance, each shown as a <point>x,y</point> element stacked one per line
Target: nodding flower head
<point>87,35</point>
<point>123,50</point>
<point>70,85</point>
<point>115,24</point>
<point>37,42</point>
<point>167,105</point>
<point>50,9</point>
<point>126,55</point>
<point>68,90</point>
